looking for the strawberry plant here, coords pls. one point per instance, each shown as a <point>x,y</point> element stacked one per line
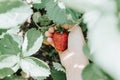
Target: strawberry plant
<point>25,54</point>
<point>16,52</point>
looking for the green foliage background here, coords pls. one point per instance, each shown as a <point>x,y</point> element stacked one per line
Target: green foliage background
<point>17,16</point>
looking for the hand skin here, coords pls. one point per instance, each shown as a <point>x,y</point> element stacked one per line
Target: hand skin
<point>73,59</point>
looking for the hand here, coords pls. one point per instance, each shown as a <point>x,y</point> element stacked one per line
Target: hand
<point>73,59</point>
<point>73,56</point>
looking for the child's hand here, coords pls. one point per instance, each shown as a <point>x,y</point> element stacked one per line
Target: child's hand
<point>74,55</point>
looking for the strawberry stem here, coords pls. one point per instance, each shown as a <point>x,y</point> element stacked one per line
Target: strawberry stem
<point>60,29</point>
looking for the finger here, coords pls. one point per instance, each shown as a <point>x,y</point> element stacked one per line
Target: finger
<point>50,40</point>
<point>48,34</point>
<point>51,30</point>
<point>66,26</point>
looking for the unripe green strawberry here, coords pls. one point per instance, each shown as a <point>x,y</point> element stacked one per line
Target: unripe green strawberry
<point>60,40</point>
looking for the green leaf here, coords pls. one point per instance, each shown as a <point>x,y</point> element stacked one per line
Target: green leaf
<point>40,78</point>
<point>18,39</point>
<point>13,78</point>
<point>87,52</point>
<point>32,36</point>
<point>36,17</point>
<point>3,31</point>
<point>118,4</point>
<point>44,20</point>
<point>36,1</point>
<point>16,67</point>
<point>9,61</point>
<point>40,5</point>
<point>55,13</point>
<point>32,42</point>
<point>13,32</point>
<point>9,4</point>
<point>15,12</point>
<point>60,14</point>
<point>10,31</point>
<point>72,15</point>
<point>83,26</point>
<point>9,46</point>
<point>39,62</point>
<point>5,72</point>
<point>58,66</point>
<point>93,72</point>
<point>34,67</point>
<point>58,75</point>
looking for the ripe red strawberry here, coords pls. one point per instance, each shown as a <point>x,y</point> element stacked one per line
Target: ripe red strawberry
<point>60,40</point>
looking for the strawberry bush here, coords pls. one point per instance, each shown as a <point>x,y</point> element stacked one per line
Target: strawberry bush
<point>25,53</point>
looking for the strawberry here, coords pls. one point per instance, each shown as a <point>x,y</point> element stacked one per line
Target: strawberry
<point>60,40</point>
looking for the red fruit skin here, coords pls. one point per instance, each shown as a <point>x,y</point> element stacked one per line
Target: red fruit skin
<point>60,41</point>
